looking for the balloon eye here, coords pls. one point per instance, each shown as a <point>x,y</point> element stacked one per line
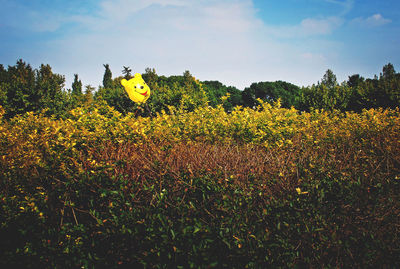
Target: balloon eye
<point>135,87</point>
<point>141,87</point>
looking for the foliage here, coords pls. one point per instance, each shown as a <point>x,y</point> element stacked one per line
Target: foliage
<point>127,72</point>
<point>88,95</point>
<point>323,97</point>
<point>76,86</point>
<point>183,92</point>
<point>204,182</point>
<point>382,92</point>
<point>356,94</point>
<point>288,93</point>
<point>216,91</point>
<point>328,94</point>
<point>107,77</point>
<point>270,187</point>
<point>24,89</point>
<point>115,97</point>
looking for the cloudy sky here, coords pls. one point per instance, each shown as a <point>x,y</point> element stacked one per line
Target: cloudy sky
<point>234,41</point>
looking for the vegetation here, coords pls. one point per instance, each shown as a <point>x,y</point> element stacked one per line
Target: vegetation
<point>24,89</point>
<point>199,185</point>
<point>288,93</point>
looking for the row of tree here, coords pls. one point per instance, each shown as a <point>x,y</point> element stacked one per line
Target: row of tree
<point>355,94</point>
<point>23,89</point>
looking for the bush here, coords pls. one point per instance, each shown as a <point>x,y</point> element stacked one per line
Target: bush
<point>254,188</point>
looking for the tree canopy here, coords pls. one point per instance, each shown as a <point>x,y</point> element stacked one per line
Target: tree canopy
<point>288,93</point>
<point>23,88</point>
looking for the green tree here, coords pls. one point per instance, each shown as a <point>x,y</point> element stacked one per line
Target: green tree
<point>193,94</point>
<point>3,86</point>
<point>235,97</point>
<point>329,79</point>
<point>379,92</point>
<point>215,90</point>
<point>115,95</point>
<point>76,86</point>
<point>249,97</point>
<point>25,89</point>
<point>88,96</point>
<point>184,92</point>
<point>389,87</point>
<point>19,86</point>
<point>127,72</point>
<point>388,72</point>
<point>356,87</point>
<point>107,78</point>
<point>326,95</point>
<point>288,93</point>
<point>150,76</point>
<point>49,91</point>
<point>355,81</point>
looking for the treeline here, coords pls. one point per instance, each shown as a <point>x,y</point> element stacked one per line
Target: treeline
<point>23,89</point>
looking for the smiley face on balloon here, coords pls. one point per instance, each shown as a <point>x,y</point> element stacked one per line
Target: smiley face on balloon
<point>136,88</point>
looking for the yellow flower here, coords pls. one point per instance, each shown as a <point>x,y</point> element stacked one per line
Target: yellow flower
<point>301,192</point>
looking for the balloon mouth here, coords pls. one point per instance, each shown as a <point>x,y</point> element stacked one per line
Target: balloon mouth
<point>144,94</point>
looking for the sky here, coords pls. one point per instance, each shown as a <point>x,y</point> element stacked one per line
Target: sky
<point>237,42</point>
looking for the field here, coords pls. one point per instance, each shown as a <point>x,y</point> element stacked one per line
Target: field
<point>254,188</point>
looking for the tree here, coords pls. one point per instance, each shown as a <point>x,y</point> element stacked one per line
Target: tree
<point>49,88</point>
<point>329,79</point>
<point>23,89</point>
<point>215,90</point>
<point>3,86</point>
<point>117,98</point>
<point>3,73</point>
<point>356,87</point>
<point>355,80</point>
<point>288,93</point>
<point>107,78</point>
<point>20,84</point>
<point>326,95</point>
<point>88,97</point>
<point>192,93</point>
<point>150,76</point>
<point>249,97</point>
<point>380,92</point>
<point>389,87</point>
<point>388,72</point>
<point>76,86</point>
<point>127,72</point>
<point>235,97</point>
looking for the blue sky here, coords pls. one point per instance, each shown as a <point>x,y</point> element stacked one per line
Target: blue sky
<point>234,41</point>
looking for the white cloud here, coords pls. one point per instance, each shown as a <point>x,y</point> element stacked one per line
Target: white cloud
<point>308,27</point>
<point>372,21</point>
<point>215,40</point>
<point>324,26</point>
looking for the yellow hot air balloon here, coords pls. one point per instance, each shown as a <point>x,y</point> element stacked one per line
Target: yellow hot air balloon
<point>136,88</point>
